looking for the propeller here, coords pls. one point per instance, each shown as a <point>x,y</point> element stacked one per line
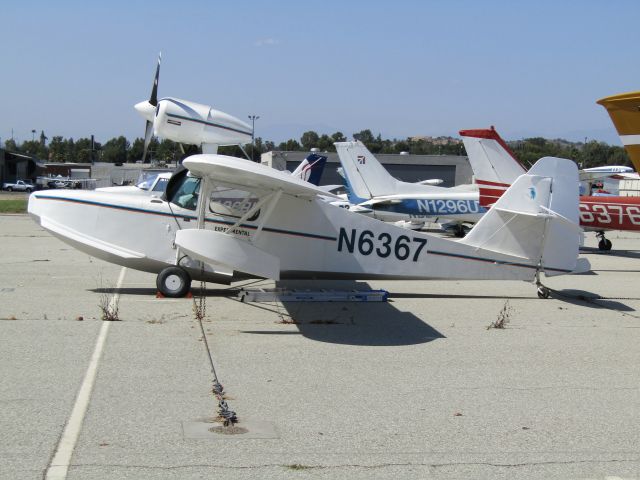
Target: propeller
<point>148,110</point>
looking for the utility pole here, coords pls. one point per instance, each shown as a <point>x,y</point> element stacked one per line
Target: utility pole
<point>253,119</point>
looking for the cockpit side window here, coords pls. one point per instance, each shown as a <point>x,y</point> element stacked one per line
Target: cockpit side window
<point>186,195</point>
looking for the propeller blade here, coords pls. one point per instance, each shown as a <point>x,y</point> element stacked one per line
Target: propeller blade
<point>153,100</point>
<point>148,134</point>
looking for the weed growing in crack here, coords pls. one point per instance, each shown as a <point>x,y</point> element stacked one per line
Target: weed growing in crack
<point>108,303</point>
<point>504,317</point>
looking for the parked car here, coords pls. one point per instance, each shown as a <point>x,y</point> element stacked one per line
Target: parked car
<point>19,186</point>
<point>56,184</point>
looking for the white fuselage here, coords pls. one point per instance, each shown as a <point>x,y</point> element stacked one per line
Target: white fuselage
<point>312,239</point>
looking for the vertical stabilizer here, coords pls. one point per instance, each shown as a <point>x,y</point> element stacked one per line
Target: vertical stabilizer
<point>311,168</point>
<point>494,165</point>
<point>624,110</point>
<point>490,157</point>
<point>365,176</point>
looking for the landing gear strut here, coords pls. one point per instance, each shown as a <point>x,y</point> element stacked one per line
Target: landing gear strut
<point>604,244</point>
<point>173,282</point>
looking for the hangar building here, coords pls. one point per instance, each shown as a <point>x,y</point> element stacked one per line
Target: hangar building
<point>17,166</point>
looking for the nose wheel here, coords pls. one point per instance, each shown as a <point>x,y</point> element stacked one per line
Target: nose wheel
<point>173,282</point>
<point>543,292</point>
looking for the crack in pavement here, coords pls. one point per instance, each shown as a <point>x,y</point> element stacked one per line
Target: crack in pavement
<point>301,466</point>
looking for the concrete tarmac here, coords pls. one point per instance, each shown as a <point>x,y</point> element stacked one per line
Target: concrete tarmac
<point>414,388</point>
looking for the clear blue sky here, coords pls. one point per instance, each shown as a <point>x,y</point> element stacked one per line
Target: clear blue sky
<point>399,68</point>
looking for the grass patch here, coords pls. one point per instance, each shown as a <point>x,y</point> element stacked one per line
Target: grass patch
<point>13,205</point>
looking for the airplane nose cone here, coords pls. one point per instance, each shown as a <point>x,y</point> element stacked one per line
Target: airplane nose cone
<point>146,110</point>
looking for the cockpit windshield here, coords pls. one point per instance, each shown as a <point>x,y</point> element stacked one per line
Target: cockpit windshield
<point>146,179</point>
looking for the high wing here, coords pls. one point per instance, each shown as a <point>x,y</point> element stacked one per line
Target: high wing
<point>221,248</point>
<point>251,176</point>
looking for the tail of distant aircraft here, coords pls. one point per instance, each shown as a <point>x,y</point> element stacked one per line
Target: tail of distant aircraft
<point>624,110</point>
<point>311,168</point>
<point>531,222</point>
<point>494,165</point>
<point>365,176</point>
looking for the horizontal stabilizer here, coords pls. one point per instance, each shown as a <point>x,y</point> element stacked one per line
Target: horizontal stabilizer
<point>219,248</point>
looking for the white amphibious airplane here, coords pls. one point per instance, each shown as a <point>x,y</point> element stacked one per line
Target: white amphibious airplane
<point>289,232</point>
<point>373,191</point>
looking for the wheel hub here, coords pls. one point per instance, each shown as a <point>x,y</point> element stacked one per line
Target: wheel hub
<point>173,282</point>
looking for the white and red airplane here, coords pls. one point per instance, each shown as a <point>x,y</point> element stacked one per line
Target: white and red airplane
<point>496,168</point>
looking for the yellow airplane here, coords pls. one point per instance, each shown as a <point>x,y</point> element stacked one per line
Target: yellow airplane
<point>624,110</point>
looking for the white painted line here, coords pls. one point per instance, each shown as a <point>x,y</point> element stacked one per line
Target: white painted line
<point>59,466</point>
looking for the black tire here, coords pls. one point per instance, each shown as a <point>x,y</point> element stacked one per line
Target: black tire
<point>543,292</point>
<point>9,189</point>
<point>173,282</point>
<point>29,190</point>
<point>605,245</point>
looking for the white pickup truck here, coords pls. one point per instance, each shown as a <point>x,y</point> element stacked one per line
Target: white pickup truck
<point>19,186</point>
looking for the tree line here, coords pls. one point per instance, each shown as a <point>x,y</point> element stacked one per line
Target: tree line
<point>120,150</point>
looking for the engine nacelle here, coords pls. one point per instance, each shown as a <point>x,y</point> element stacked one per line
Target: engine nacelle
<point>196,124</point>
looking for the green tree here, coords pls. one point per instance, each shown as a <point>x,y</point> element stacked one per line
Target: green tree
<point>83,150</point>
<point>30,147</point>
<point>115,150</point>
<point>309,140</point>
<point>57,149</point>
<point>325,144</point>
<point>10,145</point>
<point>70,150</point>
<point>338,137</point>
<point>290,145</point>
<point>365,136</point>
<point>167,151</point>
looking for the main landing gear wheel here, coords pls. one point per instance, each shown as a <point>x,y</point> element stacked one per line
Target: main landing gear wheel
<point>460,231</point>
<point>605,244</point>
<point>543,292</point>
<point>173,282</point>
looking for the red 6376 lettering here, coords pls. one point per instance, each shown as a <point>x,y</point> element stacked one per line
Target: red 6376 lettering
<point>609,215</point>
